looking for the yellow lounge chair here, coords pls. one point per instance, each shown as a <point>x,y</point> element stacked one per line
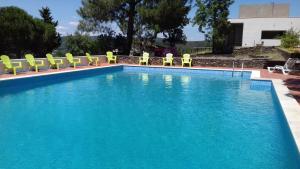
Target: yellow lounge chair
<point>33,63</point>
<point>168,59</point>
<point>73,61</point>
<point>54,63</point>
<point>8,65</point>
<point>91,59</point>
<point>186,59</point>
<point>144,59</point>
<point>110,57</point>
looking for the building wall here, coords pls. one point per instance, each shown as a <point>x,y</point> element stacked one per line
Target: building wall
<point>253,28</point>
<point>264,11</point>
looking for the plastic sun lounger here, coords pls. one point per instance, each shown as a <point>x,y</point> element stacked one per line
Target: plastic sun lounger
<point>73,61</point>
<point>286,68</point>
<point>92,60</point>
<point>144,59</point>
<point>8,65</point>
<point>168,59</point>
<point>186,59</point>
<point>54,63</point>
<point>110,57</point>
<point>33,63</point>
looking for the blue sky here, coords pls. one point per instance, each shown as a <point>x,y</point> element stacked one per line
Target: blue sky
<point>65,12</point>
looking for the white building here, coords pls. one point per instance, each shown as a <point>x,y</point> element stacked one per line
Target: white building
<point>262,25</point>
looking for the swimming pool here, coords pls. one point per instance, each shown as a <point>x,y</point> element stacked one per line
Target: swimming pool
<point>135,117</point>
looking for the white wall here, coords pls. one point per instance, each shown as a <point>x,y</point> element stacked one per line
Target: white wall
<point>253,27</point>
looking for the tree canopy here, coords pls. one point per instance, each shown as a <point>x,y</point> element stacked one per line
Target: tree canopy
<point>21,33</point>
<point>136,17</point>
<point>212,18</point>
<point>167,17</point>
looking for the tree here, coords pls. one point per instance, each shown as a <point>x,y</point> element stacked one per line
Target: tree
<point>212,18</point>
<point>97,13</point>
<point>46,15</point>
<point>174,36</point>
<point>290,39</point>
<point>20,33</point>
<point>167,17</point>
<point>15,31</point>
<point>78,44</point>
<point>135,18</point>
<point>53,40</point>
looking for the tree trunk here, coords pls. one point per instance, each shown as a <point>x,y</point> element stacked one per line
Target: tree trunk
<point>130,26</point>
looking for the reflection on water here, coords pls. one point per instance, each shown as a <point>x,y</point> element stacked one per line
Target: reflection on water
<point>185,81</point>
<point>109,78</point>
<point>70,87</point>
<point>168,80</point>
<point>145,78</point>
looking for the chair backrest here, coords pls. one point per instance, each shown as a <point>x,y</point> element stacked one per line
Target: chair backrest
<point>69,57</point>
<point>30,59</point>
<point>169,56</point>
<point>89,57</point>
<point>186,57</point>
<point>50,59</point>
<point>290,63</point>
<point>146,56</point>
<point>6,61</point>
<point>109,54</point>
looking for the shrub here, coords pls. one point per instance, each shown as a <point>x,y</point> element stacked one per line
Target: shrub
<point>290,39</point>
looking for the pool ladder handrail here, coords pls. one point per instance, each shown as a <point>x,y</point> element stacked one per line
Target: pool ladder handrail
<point>233,67</point>
<point>242,73</point>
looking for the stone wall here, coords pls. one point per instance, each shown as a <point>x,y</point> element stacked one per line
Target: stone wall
<point>203,61</point>
<point>287,54</point>
<point>254,51</point>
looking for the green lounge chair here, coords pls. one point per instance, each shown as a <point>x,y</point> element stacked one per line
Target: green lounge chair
<point>73,61</point>
<point>8,65</point>
<point>54,63</point>
<point>33,63</point>
<point>144,58</point>
<point>168,59</point>
<point>110,57</point>
<point>186,59</point>
<point>91,59</point>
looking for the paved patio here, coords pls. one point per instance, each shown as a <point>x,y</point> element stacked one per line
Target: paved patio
<point>291,81</point>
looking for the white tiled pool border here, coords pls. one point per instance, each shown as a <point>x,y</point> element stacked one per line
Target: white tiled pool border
<point>60,72</point>
<point>289,105</point>
<point>290,108</point>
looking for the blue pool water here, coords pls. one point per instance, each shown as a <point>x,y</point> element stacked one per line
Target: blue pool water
<point>143,119</point>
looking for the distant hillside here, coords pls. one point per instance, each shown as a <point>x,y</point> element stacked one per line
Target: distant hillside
<point>189,44</point>
<point>158,42</point>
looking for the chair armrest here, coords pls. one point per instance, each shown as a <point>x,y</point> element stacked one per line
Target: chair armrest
<point>60,60</point>
<point>78,59</point>
<point>41,62</point>
<point>95,58</point>
<point>19,64</point>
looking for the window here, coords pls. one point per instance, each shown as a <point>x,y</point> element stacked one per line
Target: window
<point>271,34</point>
